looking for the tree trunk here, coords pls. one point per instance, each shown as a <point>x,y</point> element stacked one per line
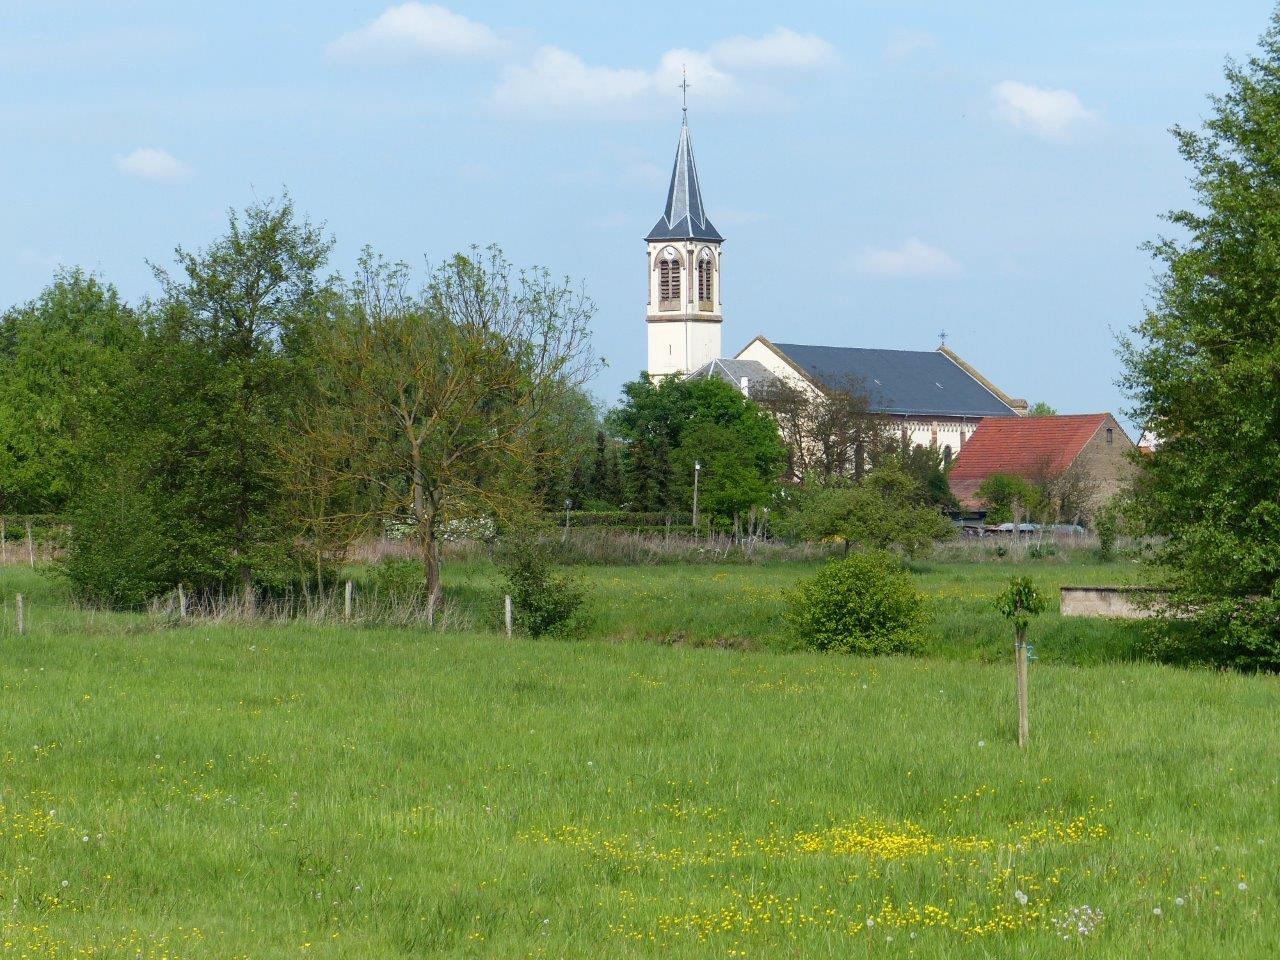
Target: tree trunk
<point>246,589</point>
<point>430,544</point>
<point>425,512</point>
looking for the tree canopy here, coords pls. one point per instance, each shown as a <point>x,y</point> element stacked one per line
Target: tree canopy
<point>61,355</point>
<point>670,426</point>
<point>1203,370</point>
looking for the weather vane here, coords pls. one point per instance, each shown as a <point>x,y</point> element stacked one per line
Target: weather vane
<point>684,89</point>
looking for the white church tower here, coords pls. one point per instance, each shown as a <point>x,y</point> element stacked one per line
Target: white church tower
<point>684,313</point>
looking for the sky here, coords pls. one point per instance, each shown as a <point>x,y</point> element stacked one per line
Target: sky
<point>882,170</point>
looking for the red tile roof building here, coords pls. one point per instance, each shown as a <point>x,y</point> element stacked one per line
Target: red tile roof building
<point>1043,450</point>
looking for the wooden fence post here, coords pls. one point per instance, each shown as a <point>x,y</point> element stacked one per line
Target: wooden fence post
<point>182,603</point>
<point>346,601</point>
<point>1024,719</point>
<point>22,623</point>
<point>507,614</point>
<point>31,547</point>
<point>4,543</point>
<point>431,611</point>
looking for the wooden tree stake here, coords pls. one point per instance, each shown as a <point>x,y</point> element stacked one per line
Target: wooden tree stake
<point>1024,718</point>
<point>22,623</point>
<point>346,601</point>
<point>31,547</point>
<point>507,614</point>
<point>182,603</point>
<point>4,543</point>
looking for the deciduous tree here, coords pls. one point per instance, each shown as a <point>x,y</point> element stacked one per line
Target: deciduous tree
<point>60,357</point>
<point>1203,369</point>
<point>443,405</point>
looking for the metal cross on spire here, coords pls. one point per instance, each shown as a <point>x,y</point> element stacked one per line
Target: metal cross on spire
<point>684,90</point>
<point>943,337</point>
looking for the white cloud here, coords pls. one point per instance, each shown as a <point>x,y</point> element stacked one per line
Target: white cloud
<point>557,80</point>
<point>147,163</point>
<point>906,43</point>
<point>914,258</point>
<point>782,49</point>
<point>416,30</point>
<point>1054,114</point>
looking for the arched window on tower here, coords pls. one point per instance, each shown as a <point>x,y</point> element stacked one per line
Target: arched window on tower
<point>706,281</point>
<point>946,456</point>
<point>669,279</point>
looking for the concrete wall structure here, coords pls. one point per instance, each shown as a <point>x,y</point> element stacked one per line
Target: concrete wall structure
<point>1123,603</point>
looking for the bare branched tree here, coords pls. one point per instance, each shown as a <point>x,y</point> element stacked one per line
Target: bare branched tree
<point>828,433</point>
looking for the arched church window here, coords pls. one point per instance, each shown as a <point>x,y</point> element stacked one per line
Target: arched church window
<point>669,279</point>
<point>706,281</point>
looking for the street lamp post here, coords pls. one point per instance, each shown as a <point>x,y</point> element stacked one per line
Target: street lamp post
<point>697,469</point>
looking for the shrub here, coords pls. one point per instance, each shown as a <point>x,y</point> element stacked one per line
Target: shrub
<point>397,578</point>
<point>1106,524</point>
<point>1004,495</point>
<point>546,603</point>
<point>865,603</point>
<point>118,554</point>
<point>1039,551</point>
<point>880,513</point>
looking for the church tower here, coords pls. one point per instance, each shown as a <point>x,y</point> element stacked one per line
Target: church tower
<point>684,313</point>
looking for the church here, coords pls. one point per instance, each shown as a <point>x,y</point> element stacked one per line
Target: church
<point>935,397</point>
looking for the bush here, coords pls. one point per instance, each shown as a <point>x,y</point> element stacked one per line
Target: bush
<point>118,554</point>
<point>1106,524</point>
<point>1039,551</point>
<point>883,512</point>
<point>397,578</point>
<point>545,603</point>
<point>866,603</point>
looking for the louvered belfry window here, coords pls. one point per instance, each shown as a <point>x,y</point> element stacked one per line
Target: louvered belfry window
<point>706,281</point>
<point>669,280</point>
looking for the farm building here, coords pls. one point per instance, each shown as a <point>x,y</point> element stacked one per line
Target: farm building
<point>1090,451</point>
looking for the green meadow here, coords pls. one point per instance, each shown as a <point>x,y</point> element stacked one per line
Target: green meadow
<point>675,784</point>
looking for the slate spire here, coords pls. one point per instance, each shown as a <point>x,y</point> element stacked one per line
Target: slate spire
<point>685,218</point>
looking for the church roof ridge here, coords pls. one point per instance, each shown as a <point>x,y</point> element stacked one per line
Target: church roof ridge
<point>899,382</point>
<point>685,218</point>
<point>820,346</point>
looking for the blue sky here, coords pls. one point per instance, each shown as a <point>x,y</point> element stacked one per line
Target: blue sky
<point>881,170</point>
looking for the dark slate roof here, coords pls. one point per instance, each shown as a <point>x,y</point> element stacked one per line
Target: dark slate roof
<point>685,218</point>
<point>733,371</point>
<point>905,382</point>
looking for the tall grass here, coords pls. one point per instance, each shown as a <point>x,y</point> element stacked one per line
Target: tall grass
<point>313,790</point>
<point>729,604</point>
